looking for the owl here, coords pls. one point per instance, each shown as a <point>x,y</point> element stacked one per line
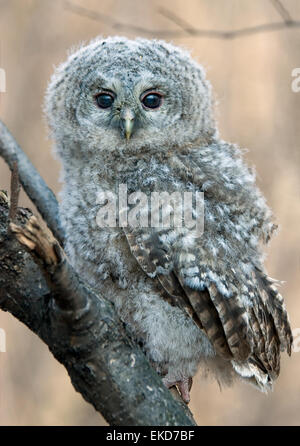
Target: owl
<point>138,115</point>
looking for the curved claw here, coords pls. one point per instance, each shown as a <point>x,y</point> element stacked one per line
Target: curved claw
<point>184,386</point>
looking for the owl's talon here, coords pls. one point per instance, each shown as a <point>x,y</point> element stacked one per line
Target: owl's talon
<point>184,386</point>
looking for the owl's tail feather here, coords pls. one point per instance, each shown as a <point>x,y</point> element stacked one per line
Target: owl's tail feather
<point>234,319</point>
<point>271,331</point>
<point>274,311</point>
<point>266,350</point>
<point>209,317</point>
<point>224,321</point>
<point>276,306</point>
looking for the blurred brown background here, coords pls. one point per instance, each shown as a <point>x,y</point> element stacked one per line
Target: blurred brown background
<point>256,108</point>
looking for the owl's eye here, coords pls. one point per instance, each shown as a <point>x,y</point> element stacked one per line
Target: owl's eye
<point>152,100</point>
<point>105,100</point>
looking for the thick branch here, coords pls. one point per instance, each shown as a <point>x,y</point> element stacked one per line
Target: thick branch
<point>84,334</point>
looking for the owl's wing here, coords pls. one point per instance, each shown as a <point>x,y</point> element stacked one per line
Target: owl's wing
<point>239,331</point>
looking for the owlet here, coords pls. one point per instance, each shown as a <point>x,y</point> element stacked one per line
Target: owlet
<point>162,216</point>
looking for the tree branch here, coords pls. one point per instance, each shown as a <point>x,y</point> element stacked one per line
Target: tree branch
<point>80,328</point>
<point>32,182</point>
<point>186,29</point>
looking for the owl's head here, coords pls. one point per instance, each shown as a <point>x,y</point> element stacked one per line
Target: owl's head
<point>129,95</point>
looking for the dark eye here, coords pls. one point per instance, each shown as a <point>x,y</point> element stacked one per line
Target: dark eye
<point>105,100</point>
<point>152,100</point>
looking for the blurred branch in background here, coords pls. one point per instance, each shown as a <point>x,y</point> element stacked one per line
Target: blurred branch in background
<point>186,28</point>
<point>282,11</point>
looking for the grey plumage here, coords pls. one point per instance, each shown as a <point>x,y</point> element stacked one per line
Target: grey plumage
<point>189,302</point>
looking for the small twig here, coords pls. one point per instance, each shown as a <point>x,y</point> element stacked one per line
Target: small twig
<point>14,192</point>
<point>32,182</point>
<point>186,29</point>
<point>178,21</point>
<point>282,11</point>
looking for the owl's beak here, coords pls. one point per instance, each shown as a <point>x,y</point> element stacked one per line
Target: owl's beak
<point>128,128</point>
<point>127,121</point>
